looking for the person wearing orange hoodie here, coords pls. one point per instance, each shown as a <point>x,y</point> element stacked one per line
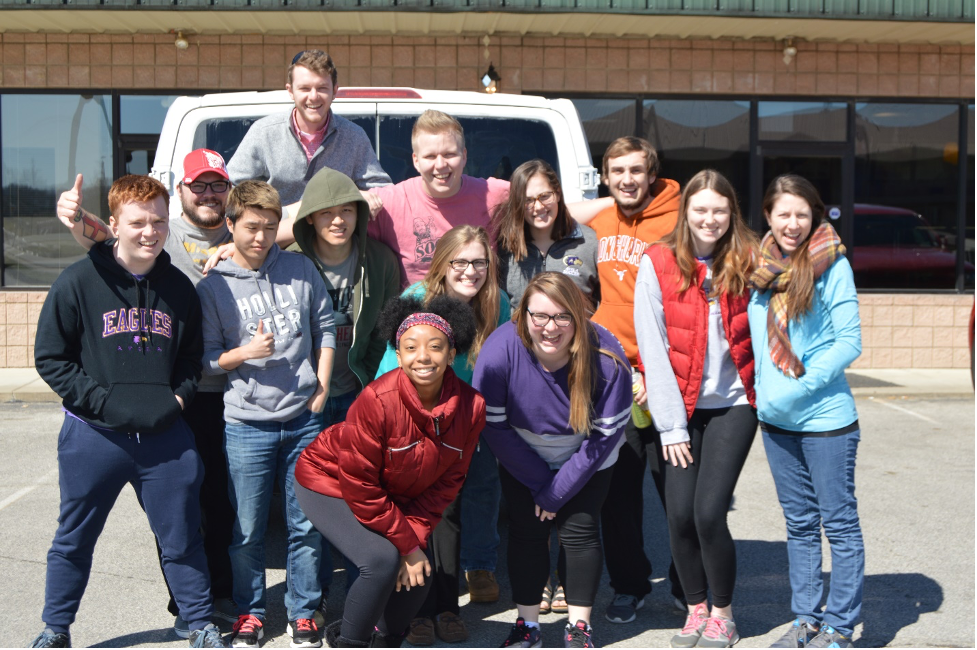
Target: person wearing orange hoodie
<point>645,210</point>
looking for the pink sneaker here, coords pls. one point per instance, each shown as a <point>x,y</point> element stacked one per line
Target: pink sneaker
<point>720,633</point>
<point>695,623</point>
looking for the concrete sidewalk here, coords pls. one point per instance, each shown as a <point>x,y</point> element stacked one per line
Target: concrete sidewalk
<point>24,385</point>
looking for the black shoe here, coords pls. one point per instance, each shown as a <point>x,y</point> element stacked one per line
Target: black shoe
<point>51,639</point>
<point>304,633</point>
<point>209,637</point>
<point>578,636</point>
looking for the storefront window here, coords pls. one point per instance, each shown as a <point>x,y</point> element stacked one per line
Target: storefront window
<point>47,140</point>
<point>692,135</point>
<point>143,113</point>
<point>906,158</point>
<point>604,121</point>
<point>803,121</point>
<point>968,232</point>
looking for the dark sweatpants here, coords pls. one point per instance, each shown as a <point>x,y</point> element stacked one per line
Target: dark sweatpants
<point>165,471</point>
<point>622,517</point>
<point>205,417</point>
<point>371,600</point>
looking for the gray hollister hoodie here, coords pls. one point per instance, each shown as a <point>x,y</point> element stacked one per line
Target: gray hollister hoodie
<point>288,295</point>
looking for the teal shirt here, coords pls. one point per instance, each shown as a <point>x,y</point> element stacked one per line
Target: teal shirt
<point>827,340</point>
<point>460,366</point>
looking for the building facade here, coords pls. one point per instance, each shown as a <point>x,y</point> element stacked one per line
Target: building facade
<point>877,110</point>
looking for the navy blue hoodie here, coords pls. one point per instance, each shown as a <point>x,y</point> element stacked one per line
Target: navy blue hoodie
<point>116,348</point>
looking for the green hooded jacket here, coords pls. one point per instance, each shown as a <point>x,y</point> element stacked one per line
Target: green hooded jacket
<point>377,275</point>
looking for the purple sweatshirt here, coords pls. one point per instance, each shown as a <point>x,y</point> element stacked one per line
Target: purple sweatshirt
<point>527,413</point>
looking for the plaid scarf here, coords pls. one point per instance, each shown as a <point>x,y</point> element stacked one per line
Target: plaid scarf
<point>774,272</point>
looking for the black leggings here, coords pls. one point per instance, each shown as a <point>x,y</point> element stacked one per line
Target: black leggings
<point>581,559</point>
<point>698,497</point>
<point>371,601</point>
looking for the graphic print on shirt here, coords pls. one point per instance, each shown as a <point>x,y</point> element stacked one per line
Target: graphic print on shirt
<point>136,324</point>
<point>342,300</point>
<point>572,262</point>
<point>198,254</point>
<point>281,316</point>
<point>426,241</point>
<point>621,248</point>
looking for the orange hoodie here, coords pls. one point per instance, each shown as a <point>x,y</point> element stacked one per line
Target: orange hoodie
<point>621,241</point>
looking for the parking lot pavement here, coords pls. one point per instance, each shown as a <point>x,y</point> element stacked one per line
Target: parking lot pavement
<point>915,485</point>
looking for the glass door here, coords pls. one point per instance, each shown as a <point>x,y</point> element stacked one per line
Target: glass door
<point>829,167</point>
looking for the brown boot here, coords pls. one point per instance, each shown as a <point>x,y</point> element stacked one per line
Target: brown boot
<point>421,632</point>
<point>450,628</point>
<point>482,587</point>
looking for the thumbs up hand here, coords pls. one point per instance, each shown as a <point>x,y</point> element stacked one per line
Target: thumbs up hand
<point>262,344</point>
<point>69,205</point>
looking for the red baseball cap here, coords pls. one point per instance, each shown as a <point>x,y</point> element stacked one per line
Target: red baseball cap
<point>201,161</point>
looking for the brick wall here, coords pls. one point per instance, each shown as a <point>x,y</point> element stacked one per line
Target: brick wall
<point>914,331</point>
<point>252,62</point>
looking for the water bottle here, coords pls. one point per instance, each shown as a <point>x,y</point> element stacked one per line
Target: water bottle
<point>639,414</point>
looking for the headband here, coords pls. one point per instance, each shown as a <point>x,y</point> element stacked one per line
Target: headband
<point>425,318</point>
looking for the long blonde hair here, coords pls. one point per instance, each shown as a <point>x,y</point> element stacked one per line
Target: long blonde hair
<point>584,347</point>
<point>485,304</point>
<point>735,252</point>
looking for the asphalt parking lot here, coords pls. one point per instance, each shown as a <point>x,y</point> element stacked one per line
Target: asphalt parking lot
<point>915,484</point>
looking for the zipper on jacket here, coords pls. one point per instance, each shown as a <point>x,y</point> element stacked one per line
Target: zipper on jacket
<point>461,453</point>
<point>391,450</point>
<point>437,425</point>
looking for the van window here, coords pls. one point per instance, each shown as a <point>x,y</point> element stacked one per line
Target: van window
<point>496,145</point>
<point>224,134</point>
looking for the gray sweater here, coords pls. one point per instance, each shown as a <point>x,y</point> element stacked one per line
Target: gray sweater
<point>270,151</point>
<point>721,383</point>
<point>290,298</point>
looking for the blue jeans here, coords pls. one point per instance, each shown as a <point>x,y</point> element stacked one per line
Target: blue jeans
<point>257,453</point>
<point>335,411</point>
<point>480,512</point>
<point>815,479</point>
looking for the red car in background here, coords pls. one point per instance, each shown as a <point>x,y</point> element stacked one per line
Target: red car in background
<point>896,248</point>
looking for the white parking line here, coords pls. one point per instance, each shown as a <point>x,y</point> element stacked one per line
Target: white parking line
<point>907,411</point>
<point>27,490</point>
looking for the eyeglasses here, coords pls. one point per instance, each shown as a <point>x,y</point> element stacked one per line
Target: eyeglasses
<point>199,187</point>
<point>545,198</point>
<point>462,265</point>
<point>295,59</point>
<point>542,320</point>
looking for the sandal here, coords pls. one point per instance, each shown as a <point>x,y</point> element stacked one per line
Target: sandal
<point>546,599</point>
<point>559,603</point>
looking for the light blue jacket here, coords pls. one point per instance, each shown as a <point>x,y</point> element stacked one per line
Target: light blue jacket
<point>827,339</point>
<point>460,366</point>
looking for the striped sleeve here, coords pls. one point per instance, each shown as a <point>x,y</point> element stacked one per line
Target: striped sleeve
<point>493,373</point>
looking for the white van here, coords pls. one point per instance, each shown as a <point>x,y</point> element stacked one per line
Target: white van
<point>501,131</point>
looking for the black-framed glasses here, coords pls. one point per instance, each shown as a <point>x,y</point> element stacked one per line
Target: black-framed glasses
<point>462,265</point>
<point>544,198</point>
<point>199,187</point>
<point>295,59</point>
<point>541,320</point>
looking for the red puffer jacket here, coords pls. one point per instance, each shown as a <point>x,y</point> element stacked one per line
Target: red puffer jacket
<point>687,327</point>
<point>397,465</point>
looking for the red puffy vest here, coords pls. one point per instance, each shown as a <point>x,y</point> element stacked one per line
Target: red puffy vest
<point>687,327</point>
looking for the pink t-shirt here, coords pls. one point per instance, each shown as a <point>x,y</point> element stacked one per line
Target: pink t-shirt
<point>411,222</point>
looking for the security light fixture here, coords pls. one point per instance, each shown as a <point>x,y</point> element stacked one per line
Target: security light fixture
<point>789,50</point>
<point>490,80</point>
<point>181,42</point>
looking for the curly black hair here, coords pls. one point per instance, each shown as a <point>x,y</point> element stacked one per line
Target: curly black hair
<point>460,317</point>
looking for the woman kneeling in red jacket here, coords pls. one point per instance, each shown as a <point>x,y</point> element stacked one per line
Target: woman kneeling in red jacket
<point>375,485</point>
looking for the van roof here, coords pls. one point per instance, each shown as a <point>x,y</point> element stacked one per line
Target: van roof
<point>383,94</point>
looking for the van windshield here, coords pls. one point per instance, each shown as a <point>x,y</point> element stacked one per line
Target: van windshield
<point>496,146</point>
